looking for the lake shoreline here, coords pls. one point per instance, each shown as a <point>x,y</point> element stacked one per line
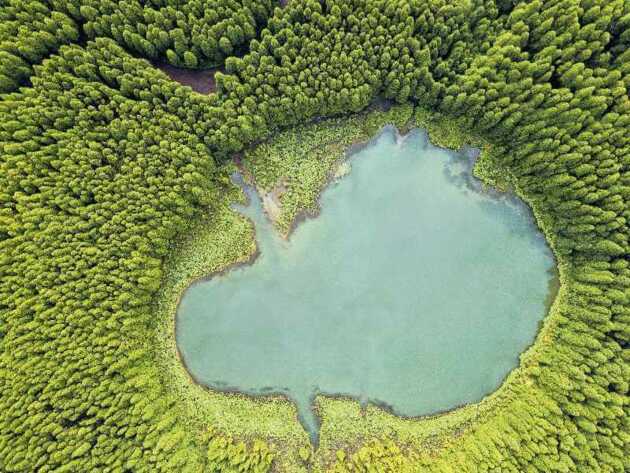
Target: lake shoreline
<point>349,153</point>
<point>432,431</point>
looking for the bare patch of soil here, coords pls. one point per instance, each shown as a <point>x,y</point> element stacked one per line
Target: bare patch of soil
<point>201,81</point>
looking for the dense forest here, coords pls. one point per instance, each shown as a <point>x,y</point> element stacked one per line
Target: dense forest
<point>184,33</point>
<point>105,162</point>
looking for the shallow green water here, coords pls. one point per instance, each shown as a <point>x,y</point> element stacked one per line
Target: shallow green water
<point>412,288</point>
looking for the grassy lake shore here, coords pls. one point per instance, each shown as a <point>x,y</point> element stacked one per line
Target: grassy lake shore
<point>305,159</point>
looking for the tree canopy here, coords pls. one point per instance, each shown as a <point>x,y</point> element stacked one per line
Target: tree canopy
<point>104,162</point>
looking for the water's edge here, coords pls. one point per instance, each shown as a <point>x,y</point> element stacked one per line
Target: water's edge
<point>307,410</point>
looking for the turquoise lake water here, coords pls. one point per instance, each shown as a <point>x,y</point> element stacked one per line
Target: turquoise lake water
<point>413,289</point>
